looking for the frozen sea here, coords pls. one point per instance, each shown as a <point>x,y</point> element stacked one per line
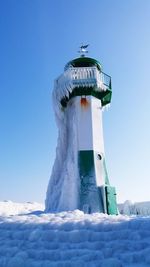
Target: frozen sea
<point>31,238</point>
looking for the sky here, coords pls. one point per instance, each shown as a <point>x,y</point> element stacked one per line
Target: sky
<point>37,38</point>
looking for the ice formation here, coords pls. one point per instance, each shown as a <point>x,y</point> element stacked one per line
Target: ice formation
<point>137,208</point>
<point>63,184</point>
<point>76,77</point>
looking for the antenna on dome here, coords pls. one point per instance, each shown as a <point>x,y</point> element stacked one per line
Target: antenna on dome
<point>83,50</point>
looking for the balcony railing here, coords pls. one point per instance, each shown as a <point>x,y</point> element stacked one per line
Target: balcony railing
<point>81,77</point>
<point>87,76</point>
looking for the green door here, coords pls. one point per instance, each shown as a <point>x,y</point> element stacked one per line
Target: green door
<point>111,200</point>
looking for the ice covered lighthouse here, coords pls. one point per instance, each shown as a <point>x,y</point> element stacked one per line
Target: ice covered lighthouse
<point>79,177</point>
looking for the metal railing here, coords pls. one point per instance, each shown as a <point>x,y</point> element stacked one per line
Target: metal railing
<point>85,76</point>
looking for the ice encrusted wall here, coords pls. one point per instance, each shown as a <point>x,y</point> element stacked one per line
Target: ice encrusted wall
<point>62,192</point>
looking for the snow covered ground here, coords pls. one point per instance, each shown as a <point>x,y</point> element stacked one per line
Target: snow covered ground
<point>8,207</point>
<point>31,238</point>
<point>137,208</point>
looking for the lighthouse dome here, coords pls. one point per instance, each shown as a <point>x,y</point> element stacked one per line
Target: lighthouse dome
<point>83,62</point>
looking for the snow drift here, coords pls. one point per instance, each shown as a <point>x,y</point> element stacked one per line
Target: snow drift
<point>71,239</point>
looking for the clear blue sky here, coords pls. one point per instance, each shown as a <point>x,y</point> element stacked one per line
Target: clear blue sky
<point>37,38</point>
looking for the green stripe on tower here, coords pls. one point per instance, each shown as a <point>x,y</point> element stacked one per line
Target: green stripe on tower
<point>94,198</point>
<point>90,196</point>
<point>104,96</point>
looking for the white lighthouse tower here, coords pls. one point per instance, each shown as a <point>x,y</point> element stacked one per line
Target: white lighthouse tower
<point>79,177</point>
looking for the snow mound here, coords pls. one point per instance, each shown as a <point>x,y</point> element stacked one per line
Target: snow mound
<point>71,239</point>
<point>7,207</point>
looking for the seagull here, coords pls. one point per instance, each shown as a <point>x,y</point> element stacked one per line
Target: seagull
<point>84,46</point>
<point>83,50</point>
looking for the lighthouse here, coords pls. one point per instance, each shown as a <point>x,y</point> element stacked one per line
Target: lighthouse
<point>79,178</point>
